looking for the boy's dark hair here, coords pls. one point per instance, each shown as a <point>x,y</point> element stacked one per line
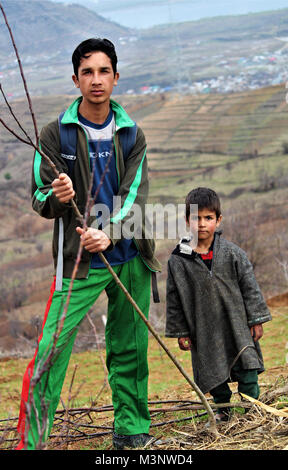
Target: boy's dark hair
<point>205,198</point>
<point>94,45</point>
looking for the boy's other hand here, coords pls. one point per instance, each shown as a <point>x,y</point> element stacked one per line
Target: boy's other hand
<point>63,188</point>
<point>256,331</point>
<point>93,240</point>
<point>185,343</point>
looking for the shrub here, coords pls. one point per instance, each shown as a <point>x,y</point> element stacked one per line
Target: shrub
<point>285,147</point>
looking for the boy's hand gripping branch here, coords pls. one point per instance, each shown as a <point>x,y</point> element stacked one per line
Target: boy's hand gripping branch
<point>63,188</point>
<point>93,240</point>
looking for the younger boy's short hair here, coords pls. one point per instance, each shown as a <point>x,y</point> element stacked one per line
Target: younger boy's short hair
<point>94,45</point>
<point>205,198</point>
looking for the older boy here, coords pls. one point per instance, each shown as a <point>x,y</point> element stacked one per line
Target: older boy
<point>99,122</point>
<point>215,307</point>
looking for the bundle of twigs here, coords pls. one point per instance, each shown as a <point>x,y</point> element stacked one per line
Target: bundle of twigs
<point>264,425</point>
<point>81,423</point>
<point>257,429</point>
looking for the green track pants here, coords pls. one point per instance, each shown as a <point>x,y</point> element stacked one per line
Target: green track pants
<point>126,351</point>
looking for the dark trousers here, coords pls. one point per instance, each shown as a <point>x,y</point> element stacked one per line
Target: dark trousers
<point>247,383</point>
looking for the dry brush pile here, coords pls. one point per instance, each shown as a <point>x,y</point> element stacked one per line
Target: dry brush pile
<point>179,423</point>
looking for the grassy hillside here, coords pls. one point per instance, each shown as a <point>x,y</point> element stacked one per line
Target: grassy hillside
<point>232,143</point>
<point>230,140</point>
<point>85,388</point>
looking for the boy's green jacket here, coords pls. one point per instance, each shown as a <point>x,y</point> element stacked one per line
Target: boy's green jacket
<point>216,310</point>
<point>133,189</point>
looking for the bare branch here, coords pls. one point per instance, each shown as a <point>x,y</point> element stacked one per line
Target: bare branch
<point>13,132</point>
<point>284,266</point>
<point>98,348</point>
<point>14,116</point>
<point>22,75</point>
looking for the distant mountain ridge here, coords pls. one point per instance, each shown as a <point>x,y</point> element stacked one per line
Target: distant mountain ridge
<point>43,26</point>
<point>223,54</point>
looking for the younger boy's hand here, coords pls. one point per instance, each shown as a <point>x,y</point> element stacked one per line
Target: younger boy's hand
<point>256,331</point>
<point>185,343</point>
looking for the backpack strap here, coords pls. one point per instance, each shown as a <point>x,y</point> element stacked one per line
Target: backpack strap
<point>127,137</point>
<point>155,292</point>
<point>59,266</point>
<point>68,145</point>
<point>68,142</point>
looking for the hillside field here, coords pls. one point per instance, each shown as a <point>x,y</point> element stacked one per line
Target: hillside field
<point>234,144</point>
<point>85,388</point>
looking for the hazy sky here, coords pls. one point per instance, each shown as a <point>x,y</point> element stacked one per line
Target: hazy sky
<point>146,13</point>
<point>141,14</point>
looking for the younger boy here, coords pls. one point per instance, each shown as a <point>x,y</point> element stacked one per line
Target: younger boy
<point>215,307</point>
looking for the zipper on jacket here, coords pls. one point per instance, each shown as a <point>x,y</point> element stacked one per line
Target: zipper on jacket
<point>212,262</point>
<point>216,241</point>
<point>118,176</point>
<point>203,265</point>
<point>210,271</point>
<point>89,163</point>
<point>213,258</point>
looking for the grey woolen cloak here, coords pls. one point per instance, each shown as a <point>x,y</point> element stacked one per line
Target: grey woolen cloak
<point>216,310</point>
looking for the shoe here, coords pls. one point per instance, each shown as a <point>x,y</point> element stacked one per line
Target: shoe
<point>134,441</point>
<point>222,415</point>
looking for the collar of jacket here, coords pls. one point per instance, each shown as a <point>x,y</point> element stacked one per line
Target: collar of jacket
<point>122,119</point>
<point>194,255</point>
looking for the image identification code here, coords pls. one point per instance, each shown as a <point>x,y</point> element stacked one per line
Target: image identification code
<point>145,459</point>
<point>156,459</point>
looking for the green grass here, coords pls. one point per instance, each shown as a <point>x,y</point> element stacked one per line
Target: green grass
<point>165,383</point>
<point>164,378</point>
<point>274,342</point>
<point>248,174</point>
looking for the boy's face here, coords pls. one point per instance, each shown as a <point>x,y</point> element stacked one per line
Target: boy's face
<point>205,224</point>
<point>96,78</point>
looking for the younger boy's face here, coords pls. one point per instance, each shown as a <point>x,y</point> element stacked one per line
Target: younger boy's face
<point>204,224</point>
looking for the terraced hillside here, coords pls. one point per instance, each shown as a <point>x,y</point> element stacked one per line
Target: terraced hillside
<point>210,137</point>
<point>232,143</point>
